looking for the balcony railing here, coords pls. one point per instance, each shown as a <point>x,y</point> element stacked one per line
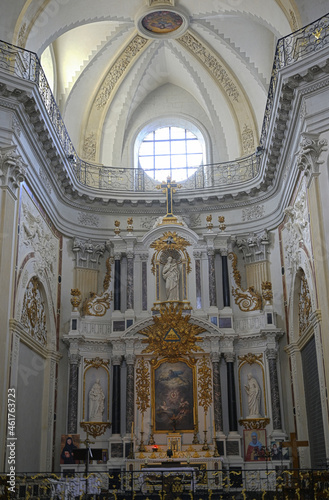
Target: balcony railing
<point>186,483</point>
<point>290,49</point>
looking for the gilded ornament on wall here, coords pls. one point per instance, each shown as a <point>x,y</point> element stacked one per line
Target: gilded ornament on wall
<point>171,335</point>
<point>250,358</point>
<point>267,291</point>
<point>97,363</point>
<point>142,385</point>
<point>97,305</point>
<point>204,383</point>
<point>247,300</point>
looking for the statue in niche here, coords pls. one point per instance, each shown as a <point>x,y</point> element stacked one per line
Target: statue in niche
<point>253,392</point>
<point>170,274</point>
<point>96,402</point>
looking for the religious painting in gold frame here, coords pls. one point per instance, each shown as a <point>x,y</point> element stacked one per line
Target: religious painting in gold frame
<point>174,396</point>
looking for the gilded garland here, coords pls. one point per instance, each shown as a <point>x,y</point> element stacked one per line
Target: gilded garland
<point>247,300</point>
<point>172,335</point>
<point>142,386</point>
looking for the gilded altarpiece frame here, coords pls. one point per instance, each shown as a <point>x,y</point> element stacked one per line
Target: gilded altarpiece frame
<point>174,396</point>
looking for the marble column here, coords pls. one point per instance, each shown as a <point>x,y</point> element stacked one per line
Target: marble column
<point>72,414</point>
<point>218,412</point>
<point>117,282</point>
<point>271,355</point>
<point>231,393</point>
<point>130,360</point>
<point>226,284</point>
<point>116,402</point>
<point>130,280</point>
<point>197,257</point>
<point>144,258</point>
<point>212,277</point>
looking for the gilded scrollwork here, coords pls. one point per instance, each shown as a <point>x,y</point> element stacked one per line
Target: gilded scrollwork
<point>171,335</point>
<point>250,358</point>
<point>97,305</point>
<point>204,383</point>
<point>33,316</point>
<point>95,429</point>
<point>267,291</point>
<point>96,363</point>
<point>247,300</point>
<point>75,298</point>
<point>170,242</point>
<point>142,385</point>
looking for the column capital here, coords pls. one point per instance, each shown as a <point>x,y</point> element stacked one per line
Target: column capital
<point>130,359</point>
<point>116,360</point>
<point>74,358</point>
<point>117,255</point>
<point>210,252</point>
<point>271,353</point>
<point>215,357</point>
<point>229,357</point>
<point>130,255</point>
<point>223,252</point>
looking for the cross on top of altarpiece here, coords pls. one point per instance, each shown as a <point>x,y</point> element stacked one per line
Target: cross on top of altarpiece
<point>169,188</point>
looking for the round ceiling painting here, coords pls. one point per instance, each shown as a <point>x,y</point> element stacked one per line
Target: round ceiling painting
<point>162,21</point>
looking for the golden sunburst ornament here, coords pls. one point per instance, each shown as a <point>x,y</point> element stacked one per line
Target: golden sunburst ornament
<point>172,335</point>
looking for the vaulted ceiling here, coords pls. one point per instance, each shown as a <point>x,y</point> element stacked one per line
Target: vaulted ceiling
<point>111,76</point>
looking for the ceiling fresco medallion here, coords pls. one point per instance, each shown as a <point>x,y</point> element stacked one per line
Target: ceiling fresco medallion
<point>161,23</point>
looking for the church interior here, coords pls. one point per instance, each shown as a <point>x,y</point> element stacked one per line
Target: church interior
<point>164,276</point>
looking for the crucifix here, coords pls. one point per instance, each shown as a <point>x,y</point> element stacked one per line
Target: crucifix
<point>169,188</point>
<point>293,444</point>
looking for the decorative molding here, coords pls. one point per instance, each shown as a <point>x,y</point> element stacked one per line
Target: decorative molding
<point>87,253</point>
<point>304,305</point>
<point>142,385</point>
<point>248,140</point>
<point>205,384</point>
<point>308,156</point>
<point>89,147</point>
<point>247,300</point>
<point>254,423</point>
<point>88,219</point>
<point>118,69</point>
<point>97,305</point>
<point>33,316</point>
<point>254,247</point>
<point>212,63</point>
<point>12,168</point>
<point>253,213</point>
<point>45,180</point>
<point>96,363</point>
<point>95,429</point>
<point>250,358</point>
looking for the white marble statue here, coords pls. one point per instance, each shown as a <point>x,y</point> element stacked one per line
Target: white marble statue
<point>170,274</point>
<point>96,402</point>
<point>254,392</point>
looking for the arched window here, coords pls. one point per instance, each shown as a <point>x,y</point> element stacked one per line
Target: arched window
<point>170,151</point>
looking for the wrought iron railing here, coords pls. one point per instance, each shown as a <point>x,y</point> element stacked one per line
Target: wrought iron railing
<point>289,50</point>
<point>195,483</point>
<point>292,48</point>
